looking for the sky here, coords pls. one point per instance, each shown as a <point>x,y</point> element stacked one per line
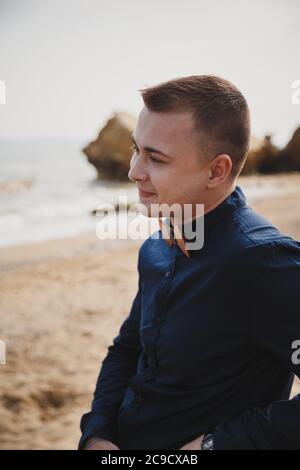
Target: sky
<point>68,65</point>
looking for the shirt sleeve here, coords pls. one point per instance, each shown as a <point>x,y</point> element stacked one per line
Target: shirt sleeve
<point>275,327</point>
<point>117,368</point>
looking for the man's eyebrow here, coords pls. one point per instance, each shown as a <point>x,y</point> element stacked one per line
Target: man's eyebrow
<point>151,149</point>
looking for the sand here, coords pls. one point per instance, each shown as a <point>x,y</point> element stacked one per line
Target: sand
<point>57,318</point>
<point>61,304</point>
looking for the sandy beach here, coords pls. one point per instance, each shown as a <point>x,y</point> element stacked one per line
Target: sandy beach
<point>62,302</point>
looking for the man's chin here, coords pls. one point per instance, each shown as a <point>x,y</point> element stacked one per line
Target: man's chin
<point>149,209</point>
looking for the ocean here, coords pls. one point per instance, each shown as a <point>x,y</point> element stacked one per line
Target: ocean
<point>63,192</point>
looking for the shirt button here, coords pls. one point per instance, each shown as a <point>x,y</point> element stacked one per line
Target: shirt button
<point>150,361</point>
<point>150,373</point>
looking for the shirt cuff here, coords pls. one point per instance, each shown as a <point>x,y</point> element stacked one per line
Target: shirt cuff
<point>94,425</point>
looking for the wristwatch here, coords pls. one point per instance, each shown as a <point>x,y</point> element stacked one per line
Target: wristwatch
<point>207,442</point>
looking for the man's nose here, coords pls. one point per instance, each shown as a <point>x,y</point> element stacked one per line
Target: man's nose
<point>137,171</point>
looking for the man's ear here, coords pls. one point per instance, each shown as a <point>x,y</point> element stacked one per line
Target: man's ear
<point>220,169</point>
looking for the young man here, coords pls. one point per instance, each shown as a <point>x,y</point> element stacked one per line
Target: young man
<point>207,355</point>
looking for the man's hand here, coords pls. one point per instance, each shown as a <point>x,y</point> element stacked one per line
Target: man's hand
<point>193,445</point>
<point>99,444</point>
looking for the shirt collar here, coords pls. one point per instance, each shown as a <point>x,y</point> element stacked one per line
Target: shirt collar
<point>172,235</point>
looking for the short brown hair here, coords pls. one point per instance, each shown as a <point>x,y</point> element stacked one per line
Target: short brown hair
<point>220,113</point>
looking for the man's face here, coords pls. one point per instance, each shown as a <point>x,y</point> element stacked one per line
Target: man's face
<point>178,174</point>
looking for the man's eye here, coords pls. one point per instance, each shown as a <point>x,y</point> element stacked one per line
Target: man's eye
<point>155,160</point>
<point>134,148</point>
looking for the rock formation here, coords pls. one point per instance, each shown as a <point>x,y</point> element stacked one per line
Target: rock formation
<point>110,153</point>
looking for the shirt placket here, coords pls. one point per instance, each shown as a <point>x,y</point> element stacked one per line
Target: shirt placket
<point>159,314</point>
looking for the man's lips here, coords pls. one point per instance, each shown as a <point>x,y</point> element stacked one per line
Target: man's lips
<point>145,193</point>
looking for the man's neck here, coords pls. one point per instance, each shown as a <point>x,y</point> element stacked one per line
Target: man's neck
<point>208,207</point>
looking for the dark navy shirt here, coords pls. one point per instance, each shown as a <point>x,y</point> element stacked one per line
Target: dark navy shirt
<point>211,342</point>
